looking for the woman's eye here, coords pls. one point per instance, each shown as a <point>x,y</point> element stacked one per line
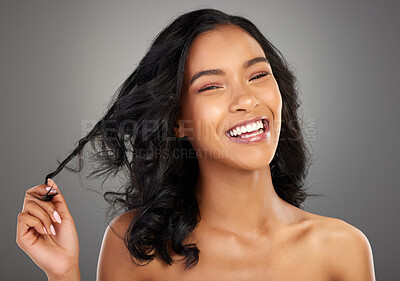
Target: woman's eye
<point>212,87</point>
<point>259,75</point>
<point>207,88</point>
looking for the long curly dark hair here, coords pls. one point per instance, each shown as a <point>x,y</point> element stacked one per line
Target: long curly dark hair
<point>160,179</point>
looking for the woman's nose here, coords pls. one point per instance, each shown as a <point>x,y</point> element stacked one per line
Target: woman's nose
<point>243,99</point>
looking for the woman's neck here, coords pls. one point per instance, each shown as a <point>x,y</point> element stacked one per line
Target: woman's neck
<point>239,201</point>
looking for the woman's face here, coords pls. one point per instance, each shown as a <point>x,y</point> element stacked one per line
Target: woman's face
<point>215,102</point>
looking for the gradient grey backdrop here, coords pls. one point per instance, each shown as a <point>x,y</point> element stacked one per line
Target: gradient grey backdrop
<point>61,61</point>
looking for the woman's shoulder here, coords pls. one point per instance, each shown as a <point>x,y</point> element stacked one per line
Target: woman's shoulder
<point>122,221</point>
<point>344,247</point>
<point>330,229</point>
<point>115,262</point>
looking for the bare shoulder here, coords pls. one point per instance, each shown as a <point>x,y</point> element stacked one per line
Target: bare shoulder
<point>115,263</point>
<point>345,249</point>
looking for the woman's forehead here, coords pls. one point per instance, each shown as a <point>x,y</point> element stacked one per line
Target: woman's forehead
<point>221,44</point>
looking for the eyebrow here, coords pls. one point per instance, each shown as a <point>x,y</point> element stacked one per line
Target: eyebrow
<point>246,64</point>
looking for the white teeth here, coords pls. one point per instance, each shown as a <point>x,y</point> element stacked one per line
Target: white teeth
<point>252,135</point>
<point>255,126</point>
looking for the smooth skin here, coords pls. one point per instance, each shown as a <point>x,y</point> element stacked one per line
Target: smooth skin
<point>246,232</point>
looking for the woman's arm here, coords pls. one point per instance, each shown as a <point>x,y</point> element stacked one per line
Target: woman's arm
<point>114,262</point>
<point>73,275</point>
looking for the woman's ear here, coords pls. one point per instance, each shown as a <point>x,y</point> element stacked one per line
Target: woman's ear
<point>176,129</point>
<point>180,130</point>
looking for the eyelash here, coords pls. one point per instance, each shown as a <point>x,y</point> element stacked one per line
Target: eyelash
<point>262,74</point>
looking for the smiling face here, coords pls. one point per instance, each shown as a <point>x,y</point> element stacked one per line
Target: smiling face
<point>239,87</point>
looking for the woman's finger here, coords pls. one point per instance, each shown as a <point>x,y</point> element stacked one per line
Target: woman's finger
<point>37,211</point>
<point>49,207</point>
<point>59,201</point>
<point>25,234</point>
<point>38,191</point>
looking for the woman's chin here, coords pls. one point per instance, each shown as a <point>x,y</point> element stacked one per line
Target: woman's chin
<point>249,164</point>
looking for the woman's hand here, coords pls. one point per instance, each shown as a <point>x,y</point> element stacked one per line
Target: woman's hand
<point>56,254</point>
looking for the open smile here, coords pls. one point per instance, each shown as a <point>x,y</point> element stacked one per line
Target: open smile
<point>251,131</point>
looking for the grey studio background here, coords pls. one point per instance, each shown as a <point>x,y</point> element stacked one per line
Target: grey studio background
<point>61,61</point>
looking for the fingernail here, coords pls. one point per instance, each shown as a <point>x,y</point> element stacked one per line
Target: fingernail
<point>52,190</point>
<point>52,230</point>
<point>57,216</point>
<point>45,231</point>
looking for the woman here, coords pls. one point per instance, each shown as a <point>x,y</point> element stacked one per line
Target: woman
<point>216,175</point>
